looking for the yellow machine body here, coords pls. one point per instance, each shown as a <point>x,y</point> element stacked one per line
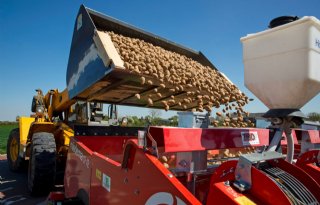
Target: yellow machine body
<point>24,125</point>
<point>55,102</point>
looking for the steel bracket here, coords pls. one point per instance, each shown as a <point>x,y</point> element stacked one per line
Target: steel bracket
<point>243,170</point>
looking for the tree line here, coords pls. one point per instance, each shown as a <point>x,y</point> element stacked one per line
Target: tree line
<point>8,123</point>
<point>314,116</point>
<point>154,119</point>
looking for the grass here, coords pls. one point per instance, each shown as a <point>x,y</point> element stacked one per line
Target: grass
<point>4,134</point>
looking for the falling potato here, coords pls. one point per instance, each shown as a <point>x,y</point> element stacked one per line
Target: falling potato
<point>143,80</point>
<point>138,96</point>
<point>159,95</point>
<point>150,102</point>
<point>149,82</point>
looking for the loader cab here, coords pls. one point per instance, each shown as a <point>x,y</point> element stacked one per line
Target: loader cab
<point>94,113</point>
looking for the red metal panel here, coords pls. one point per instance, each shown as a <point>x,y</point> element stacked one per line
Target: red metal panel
<point>314,136</point>
<point>297,150</point>
<point>294,135</point>
<point>146,182</point>
<point>220,193</point>
<point>225,172</point>
<point>192,139</point>
<point>306,162</point>
<point>78,169</point>
<point>107,145</point>
<point>313,171</point>
<point>263,189</point>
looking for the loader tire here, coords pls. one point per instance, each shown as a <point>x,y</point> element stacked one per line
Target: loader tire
<point>42,164</point>
<point>15,162</point>
<point>83,197</point>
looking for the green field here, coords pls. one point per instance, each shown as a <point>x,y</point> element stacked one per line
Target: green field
<point>4,133</point>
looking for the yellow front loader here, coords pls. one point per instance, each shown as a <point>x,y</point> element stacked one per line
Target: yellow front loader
<point>43,139</point>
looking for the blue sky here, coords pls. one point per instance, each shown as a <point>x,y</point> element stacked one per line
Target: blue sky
<point>35,38</point>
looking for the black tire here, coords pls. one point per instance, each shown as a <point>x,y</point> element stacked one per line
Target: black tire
<point>42,163</point>
<point>15,162</point>
<point>83,197</point>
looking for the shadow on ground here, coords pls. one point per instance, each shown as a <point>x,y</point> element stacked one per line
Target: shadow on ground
<point>14,187</point>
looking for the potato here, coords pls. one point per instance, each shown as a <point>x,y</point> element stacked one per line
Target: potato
<point>142,80</point>
<point>150,102</point>
<point>178,73</point>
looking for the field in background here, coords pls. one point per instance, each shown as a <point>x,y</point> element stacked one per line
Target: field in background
<point>4,133</point>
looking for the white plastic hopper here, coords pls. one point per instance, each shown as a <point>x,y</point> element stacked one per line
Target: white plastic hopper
<point>282,64</point>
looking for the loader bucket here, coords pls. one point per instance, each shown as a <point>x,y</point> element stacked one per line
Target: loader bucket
<point>96,71</point>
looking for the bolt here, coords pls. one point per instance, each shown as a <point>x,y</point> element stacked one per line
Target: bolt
<point>136,191</point>
<point>227,183</point>
<point>170,175</point>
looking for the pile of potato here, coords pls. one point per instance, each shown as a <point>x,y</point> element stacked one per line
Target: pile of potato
<point>203,85</point>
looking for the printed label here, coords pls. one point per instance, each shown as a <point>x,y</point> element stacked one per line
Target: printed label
<point>98,174</point>
<point>250,138</point>
<point>106,182</point>
<point>317,41</point>
<point>83,158</point>
<point>243,200</point>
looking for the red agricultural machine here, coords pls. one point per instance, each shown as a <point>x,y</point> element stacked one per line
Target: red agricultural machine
<point>183,165</point>
<point>168,165</point>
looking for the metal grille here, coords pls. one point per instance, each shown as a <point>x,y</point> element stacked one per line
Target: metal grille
<point>295,190</point>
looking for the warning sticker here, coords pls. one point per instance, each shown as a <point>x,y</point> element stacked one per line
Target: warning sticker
<point>98,174</point>
<point>250,138</point>
<point>106,182</point>
<point>243,200</point>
